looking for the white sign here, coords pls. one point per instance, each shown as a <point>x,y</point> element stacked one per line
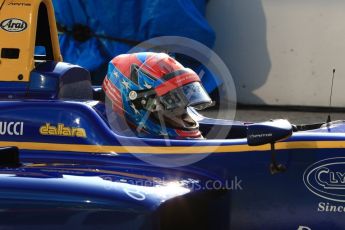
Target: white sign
<point>11,128</point>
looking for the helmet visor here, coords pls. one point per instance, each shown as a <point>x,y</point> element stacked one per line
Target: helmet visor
<point>192,94</point>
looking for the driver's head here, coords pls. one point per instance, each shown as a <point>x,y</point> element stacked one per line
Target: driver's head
<point>152,91</point>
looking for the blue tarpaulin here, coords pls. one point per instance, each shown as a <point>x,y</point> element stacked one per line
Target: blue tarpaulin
<point>113,27</point>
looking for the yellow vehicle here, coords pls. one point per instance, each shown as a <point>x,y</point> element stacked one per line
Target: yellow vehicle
<point>31,63</point>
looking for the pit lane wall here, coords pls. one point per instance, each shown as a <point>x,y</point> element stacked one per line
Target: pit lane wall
<point>282,52</point>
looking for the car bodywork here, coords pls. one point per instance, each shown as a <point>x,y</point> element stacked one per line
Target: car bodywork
<point>73,170</point>
<point>259,197</point>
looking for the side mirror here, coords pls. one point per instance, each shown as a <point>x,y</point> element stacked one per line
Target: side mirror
<point>268,132</point>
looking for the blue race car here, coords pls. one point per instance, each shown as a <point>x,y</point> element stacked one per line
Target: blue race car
<point>64,164</point>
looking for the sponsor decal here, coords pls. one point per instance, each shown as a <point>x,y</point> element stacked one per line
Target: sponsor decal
<point>330,208</point>
<point>11,128</point>
<point>261,135</point>
<point>326,179</point>
<point>13,25</point>
<point>19,4</point>
<point>62,130</point>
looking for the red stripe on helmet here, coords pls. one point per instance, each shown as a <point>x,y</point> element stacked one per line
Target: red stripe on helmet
<point>176,82</point>
<point>114,95</point>
<point>160,64</point>
<point>124,62</point>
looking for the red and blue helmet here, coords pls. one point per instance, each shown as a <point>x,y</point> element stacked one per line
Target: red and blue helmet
<point>152,91</point>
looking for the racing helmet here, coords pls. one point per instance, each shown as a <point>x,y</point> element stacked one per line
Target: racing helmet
<point>153,91</point>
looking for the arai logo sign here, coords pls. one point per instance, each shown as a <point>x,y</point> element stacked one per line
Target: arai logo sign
<point>13,25</point>
<point>326,179</point>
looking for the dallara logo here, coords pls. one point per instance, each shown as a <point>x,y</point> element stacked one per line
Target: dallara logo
<point>62,130</point>
<point>326,179</point>
<point>13,25</point>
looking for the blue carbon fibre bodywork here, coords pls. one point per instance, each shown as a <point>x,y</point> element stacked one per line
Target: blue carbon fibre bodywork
<point>45,81</point>
<point>51,193</point>
<point>280,199</point>
<point>90,116</point>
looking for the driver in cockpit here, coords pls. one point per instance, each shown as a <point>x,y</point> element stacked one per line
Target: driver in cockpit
<point>151,93</point>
